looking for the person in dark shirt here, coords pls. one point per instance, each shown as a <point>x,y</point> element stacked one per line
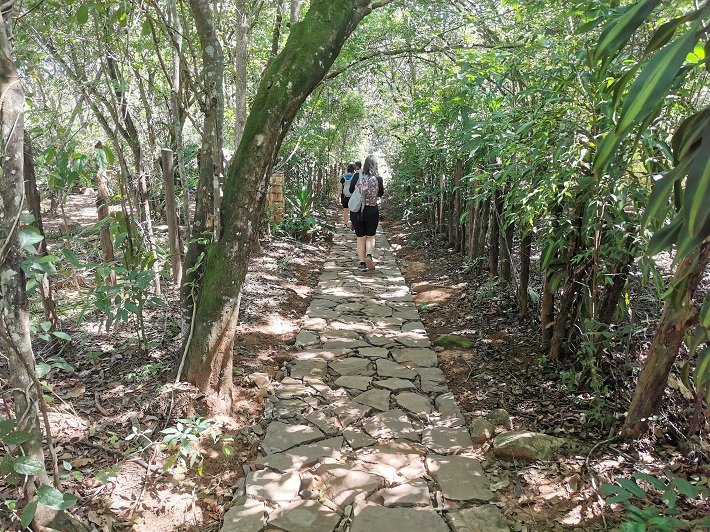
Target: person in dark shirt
<point>345,193</point>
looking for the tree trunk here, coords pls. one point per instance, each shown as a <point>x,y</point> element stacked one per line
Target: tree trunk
<point>171,215</point>
<point>307,56</point>
<point>482,234</point>
<point>675,320</point>
<point>15,342</point>
<point>102,209</point>
<point>295,11</point>
<point>241,33</point>
<point>134,142</point>
<point>525,246</point>
<point>178,112</point>
<point>506,250</point>
<point>494,242</point>
<point>570,287</point>
<point>35,207</point>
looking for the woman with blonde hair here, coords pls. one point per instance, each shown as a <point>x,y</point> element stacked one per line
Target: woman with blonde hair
<point>365,222</point>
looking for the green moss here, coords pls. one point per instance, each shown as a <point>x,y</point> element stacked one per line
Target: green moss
<point>454,341</point>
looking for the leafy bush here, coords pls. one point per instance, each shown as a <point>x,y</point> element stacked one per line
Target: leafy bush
<point>645,510</point>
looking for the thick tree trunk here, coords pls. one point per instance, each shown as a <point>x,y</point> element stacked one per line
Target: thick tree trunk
<point>207,218</point>
<point>305,59</point>
<point>672,326</point>
<point>15,342</point>
<point>525,246</point>
<point>35,207</point>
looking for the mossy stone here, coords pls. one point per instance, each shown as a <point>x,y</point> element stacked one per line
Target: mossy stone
<point>455,341</point>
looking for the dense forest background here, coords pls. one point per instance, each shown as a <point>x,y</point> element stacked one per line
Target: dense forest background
<point>555,152</point>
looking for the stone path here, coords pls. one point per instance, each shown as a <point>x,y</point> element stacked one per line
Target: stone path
<point>363,434</point>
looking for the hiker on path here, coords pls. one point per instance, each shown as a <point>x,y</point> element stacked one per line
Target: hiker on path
<point>365,222</point>
<point>345,193</point>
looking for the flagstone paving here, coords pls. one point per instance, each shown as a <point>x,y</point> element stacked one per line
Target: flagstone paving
<point>363,434</point>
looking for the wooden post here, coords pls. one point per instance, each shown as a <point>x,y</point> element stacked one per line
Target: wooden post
<point>171,214</point>
<point>275,196</point>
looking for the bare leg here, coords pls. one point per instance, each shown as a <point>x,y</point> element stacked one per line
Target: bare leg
<point>370,245</point>
<point>361,242</point>
<point>346,216</point>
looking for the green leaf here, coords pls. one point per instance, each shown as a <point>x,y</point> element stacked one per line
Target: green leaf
<point>665,32</point>
<point>655,482</point>
<point>665,237</point>
<point>6,427</point>
<point>71,257</point>
<point>606,149</point>
<point>55,499</point>
<point>42,369</point>
<point>697,189</point>
<point>82,14</point>
<point>62,335</point>
<point>16,438</point>
<point>26,465</point>
<point>616,34</point>
<point>658,199</point>
<point>686,488</point>
<point>631,486</point>
<point>687,137</point>
<point>146,28</point>
<point>28,513</point>
<point>654,81</point>
<point>30,236</point>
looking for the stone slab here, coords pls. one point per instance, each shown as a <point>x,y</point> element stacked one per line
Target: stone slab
<point>415,493</point>
<point>487,517</point>
<point>305,516</point>
<point>415,403</point>
<point>387,368</point>
<point>415,357</point>
<point>282,436</point>
<point>354,382</point>
<point>303,455</point>
<point>395,384</point>
<point>393,424</point>
<point>247,515</point>
<point>352,366</point>
<point>446,440</point>
<point>461,478</point>
<point>381,519</point>
<point>273,486</point>
<point>377,399</point>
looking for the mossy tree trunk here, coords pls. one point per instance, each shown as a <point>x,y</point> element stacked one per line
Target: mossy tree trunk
<point>308,54</point>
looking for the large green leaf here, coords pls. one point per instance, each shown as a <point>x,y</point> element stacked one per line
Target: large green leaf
<point>606,149</point>
<point>687,137</point>
<point>665,32</point>
<point>26,465</point>
<point>30,236</point>
<point>661,192</point>
<point>616,34</point>
<point>28,513</point>
<point>666,236</point>
<point>654,81</point>
<point>55,499</point>
<point>697,188</point>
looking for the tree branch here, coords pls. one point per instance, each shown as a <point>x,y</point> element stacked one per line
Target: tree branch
<point>395,52</point>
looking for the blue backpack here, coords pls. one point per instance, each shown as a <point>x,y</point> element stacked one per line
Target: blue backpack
<point>346,185</point>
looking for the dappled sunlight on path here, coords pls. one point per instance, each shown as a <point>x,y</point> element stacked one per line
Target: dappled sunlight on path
<point>363,433</point>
